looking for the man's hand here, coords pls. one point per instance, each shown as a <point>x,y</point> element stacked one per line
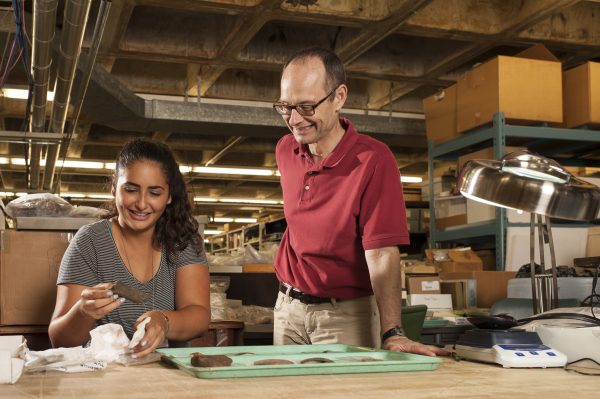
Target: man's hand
<point>403,344</point>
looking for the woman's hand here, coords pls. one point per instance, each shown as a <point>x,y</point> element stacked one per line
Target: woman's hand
<point>156,332</point>
<point>98,301</point>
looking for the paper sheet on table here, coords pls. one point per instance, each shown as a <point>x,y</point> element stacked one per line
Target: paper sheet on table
<point>11,366</point>
<point>108,344</point>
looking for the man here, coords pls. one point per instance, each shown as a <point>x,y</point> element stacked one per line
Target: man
<point>338,262</point>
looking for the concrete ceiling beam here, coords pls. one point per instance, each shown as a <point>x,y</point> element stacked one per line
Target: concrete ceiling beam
<point>376,32</point>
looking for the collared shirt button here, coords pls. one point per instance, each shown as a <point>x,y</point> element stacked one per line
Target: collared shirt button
<point>307,187</point>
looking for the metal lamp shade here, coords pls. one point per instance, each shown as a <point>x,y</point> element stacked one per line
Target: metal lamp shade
<point>487,181</point>
<point>540,186</point>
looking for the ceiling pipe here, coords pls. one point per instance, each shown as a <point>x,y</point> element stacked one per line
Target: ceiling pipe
<point>74,22</point>
<point>44,21</point>
<point>80,91</point>
<point>232,143</point>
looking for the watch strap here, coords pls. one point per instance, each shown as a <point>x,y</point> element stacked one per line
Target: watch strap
<point>395,331</point>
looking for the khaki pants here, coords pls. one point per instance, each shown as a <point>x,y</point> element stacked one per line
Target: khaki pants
<point>351,322</point>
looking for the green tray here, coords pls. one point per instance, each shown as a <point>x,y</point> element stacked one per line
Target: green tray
<point>435,323</point>
<point>346,359</point>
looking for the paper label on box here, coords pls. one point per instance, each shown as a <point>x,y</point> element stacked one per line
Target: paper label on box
<point>433,301</point>
<point>430,285</point>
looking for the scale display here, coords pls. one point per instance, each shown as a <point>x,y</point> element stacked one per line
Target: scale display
<point>509,348</point>
<point>515,356</point>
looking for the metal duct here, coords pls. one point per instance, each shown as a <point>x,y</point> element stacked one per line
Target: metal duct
<point>74,22</point>
<point>44,20</point>
<point>112,104</point>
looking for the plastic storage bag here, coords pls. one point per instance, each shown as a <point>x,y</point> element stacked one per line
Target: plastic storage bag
<point>40,205</point>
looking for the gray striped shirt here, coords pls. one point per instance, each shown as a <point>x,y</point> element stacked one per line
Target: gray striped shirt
<point>92,258</point>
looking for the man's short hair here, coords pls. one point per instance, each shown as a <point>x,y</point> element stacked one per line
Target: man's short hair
<point>335,74</point>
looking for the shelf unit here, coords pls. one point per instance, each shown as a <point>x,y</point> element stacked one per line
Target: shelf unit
<point>567,146</point>
<point>256,234</point>
<point>271,231</point>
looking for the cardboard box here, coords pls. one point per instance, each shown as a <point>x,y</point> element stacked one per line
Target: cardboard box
<point>423,284</point>
<point>440,115</point>
<point>418,267</point>
<point>526,88</point>
<point>463,292</point>
<point>488,258</point>
<point>581,101</point>
<point>593,242</point>
<point>486,153</point>
<point>29,263</point>
<point>491,285</point>
<point>450,206</point>
<point>441,184</point>
<point>434,302</point>
<point>258,268</point>
<point>478,212</point>
<point>450,221</point>
<point>454,260</point>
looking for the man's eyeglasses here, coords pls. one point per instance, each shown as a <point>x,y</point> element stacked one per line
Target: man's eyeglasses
<point>302,109</point>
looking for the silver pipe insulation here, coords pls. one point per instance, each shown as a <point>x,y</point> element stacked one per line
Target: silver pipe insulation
<point>74,22</point>
<point>44,21</point>
<point>80,91</point>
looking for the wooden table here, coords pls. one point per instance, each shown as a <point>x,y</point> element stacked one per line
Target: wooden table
<point>220,333</point>
<point>451,379</point>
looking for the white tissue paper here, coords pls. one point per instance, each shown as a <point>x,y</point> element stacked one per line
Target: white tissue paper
<point>139,333</point>
<point>109,343</point>
<point>11,366</point>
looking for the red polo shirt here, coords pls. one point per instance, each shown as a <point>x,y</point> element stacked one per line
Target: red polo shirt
<point>335,210</point>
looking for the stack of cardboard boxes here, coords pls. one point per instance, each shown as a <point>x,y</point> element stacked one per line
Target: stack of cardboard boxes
<point>455,280</point>
<point>29,263</point>
<point>528,88</point>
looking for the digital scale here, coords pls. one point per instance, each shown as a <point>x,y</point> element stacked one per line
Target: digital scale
<point>509,348</point>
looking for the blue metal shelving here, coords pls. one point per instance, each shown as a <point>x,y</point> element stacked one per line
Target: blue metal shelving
<point>496,135</point>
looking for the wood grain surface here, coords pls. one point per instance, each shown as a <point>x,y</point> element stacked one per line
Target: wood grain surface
<point>451,380</point>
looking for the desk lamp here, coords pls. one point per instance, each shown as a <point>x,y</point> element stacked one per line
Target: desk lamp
<point>531,183</point>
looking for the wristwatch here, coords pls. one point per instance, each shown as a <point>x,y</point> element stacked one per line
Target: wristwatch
<point>394,331</point>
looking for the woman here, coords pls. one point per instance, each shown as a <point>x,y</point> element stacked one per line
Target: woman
<point>150,241</point>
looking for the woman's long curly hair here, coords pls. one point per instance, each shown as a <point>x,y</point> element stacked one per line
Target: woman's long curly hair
<point>176,228</point>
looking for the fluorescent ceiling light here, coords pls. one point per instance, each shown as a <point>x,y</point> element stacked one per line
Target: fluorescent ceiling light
<point>204,199</point>
<point>250,201</point>
<point>23,94</point>
<point>222,220</point>
<point>67,164</point>
<point>411,179</point>
<point>99,196</point>
<point>81,164</point>
<point>238,200</point>
<point>236,220</point>
<point>233,171</point>
<point>17,161</point>
<point>209,232</point>
<point>245,220</point>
